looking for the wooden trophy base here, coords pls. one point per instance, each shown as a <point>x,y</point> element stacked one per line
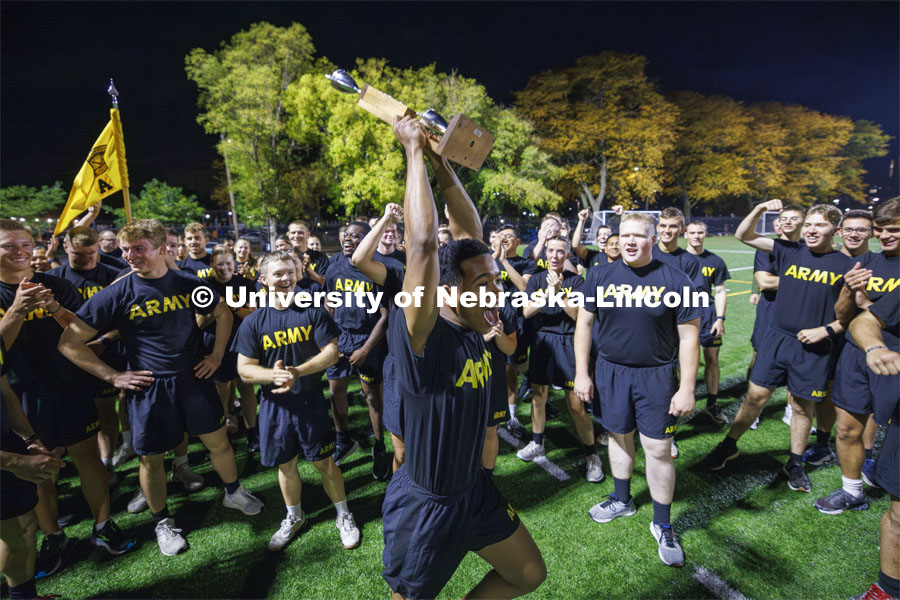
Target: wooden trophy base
<point>465,142</point>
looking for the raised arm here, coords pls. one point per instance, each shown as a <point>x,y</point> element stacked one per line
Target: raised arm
<point>461,211</point>
<point>420,216</point>
<point>362,257</point>
<point>577,247</point>
<point>746,231</point>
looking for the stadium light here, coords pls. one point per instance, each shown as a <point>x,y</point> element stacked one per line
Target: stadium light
<point>229,213</point>
<point>21,219</point>
<point>49,220</point>
<point>875,199</point>
<point>207,216</point>
<point>837,201</point>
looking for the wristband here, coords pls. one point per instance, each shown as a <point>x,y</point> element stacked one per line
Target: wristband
<point>829,330</point>
<point>31,439</point>
<point>58,308</point>
<point>876,348</point>
<point>718,317</point>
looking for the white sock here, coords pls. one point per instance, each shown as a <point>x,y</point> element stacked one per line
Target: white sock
<point>341,507</point>
<point>852,486</point>
<point>126,438</point>
<point>512,412</point>
<point>295,510</point>
<point>106,461</point>
<point>179,462</point>
<point>100,525</point>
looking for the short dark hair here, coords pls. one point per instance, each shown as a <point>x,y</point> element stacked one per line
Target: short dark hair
<point>887,213</point>
<point>857,214</point>
<point>452,254</point>
<point>510,226</point>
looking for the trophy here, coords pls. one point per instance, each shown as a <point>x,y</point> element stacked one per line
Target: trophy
<point>461,140</point>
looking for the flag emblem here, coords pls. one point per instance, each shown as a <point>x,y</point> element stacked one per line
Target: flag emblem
<point>95,159</point>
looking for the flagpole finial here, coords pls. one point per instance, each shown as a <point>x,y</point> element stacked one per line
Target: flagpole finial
<point>112,91</point>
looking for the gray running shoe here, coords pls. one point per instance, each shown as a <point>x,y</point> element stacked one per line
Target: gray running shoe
<point>243,501</point>
<point>670,552</point>
<point>611,508</point>
<point>169,539</point>
<point>840,500</point>
<point>138,502</point>
<point>289,528</point>
<point>594,469</point>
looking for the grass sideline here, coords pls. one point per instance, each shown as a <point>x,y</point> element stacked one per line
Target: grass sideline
<point>745,526</point>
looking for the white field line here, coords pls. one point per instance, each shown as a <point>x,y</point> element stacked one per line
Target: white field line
<point>740,269</point>
<point>716,584</point>
<point>736,251</point>
<point>543,461</point>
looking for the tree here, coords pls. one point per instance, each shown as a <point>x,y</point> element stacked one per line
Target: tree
<point>867,140</point>
<point>360,159</point>
<point>605,124</point>
<point>242,87</point>
<point>22,201</point>
<point>711,157</point>
<point>163,202</point>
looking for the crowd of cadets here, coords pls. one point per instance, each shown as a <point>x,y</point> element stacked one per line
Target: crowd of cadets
<point>107,336</point>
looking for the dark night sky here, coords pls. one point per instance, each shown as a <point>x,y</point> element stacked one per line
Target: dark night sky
<point>836,57</point>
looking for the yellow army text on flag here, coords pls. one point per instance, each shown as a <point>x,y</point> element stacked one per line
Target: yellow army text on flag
<point>104,172</point>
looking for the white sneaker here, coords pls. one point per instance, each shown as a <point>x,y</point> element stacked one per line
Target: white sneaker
<point>122,455</point>
<point>594,469</point>
<point>603,439</point>
<point>788,414</point>
<point>243,501</point>
<point>188,478</point>
<point>674,449</point>
<point>169,539</point>
<point>532,451</point>
<point>349,531</point>
<point>289,528</point>
<point>137,503</point>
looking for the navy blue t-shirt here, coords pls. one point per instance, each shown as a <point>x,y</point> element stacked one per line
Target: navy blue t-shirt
<point>887,308</point>
<point>521,265</point>
<point>637,337</point>
<point>87,282</point>
<point>155,318</point>
<point>713,271</point>
<point>595,258</point>
<point>446,403</point>
<point>395,258</point>
<point>352,316</point>
<point>293,335</point>
<point>685,261</point>
<point>236,283</point>
<point>765,262</point>
<point>509,318</point>
<point>541,261</point>
<point>808,286</point>
<point>197,266</point>
<point>35,355</point>
<point>885,281</point>
<point>554,319</point>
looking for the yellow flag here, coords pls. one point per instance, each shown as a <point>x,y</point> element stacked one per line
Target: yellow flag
<point>104,172</point>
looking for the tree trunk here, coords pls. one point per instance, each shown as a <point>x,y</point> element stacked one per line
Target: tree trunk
<point>686,202</point>
<point>602,195</point>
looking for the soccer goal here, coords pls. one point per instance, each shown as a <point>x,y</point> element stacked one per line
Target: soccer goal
<point>766,224</point>
<point>611,219</point>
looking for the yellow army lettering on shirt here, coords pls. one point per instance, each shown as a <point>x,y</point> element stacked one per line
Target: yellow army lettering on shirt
<point>154,307</point>
<point>88,291</point>
<point>882,285</point>
<point>566,291</point>
<point>38,313</point>
<point>476,371</point>
<point>708,271</point>
<point>205,273</point>
<point>285,337</point>
<point>814,275</point>
<point>543,263</point>
<point>352,285</point>
<point>626,289</point>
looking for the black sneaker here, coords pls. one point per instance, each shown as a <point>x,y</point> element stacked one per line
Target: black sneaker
<point>50,556</point>
<point>798,480</point>
<point>253,440</point>
<point>719,457</point>
<point>839,500</point>
<point>342,451</point>
<point>381,464</point>
<point>112,539</point>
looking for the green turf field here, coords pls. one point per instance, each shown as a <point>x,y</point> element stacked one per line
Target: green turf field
<point>744,528</point>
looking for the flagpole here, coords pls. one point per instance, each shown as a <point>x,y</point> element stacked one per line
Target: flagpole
<point>234,217</point>
<point>112,91</point>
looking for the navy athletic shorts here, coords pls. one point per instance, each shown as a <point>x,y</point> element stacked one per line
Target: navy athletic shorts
<point>523,341</point>
<point>783,359</point>
<point>838,342</point>
<point>636,398</point>
<point>370,372</point>
<point>887,465</point>
<point>170,406</point>
<point>855,385</point>
<point>391,403</point>
<point>426,536</point>
<point>552,360</point>
<point>295,423</point>
<point>227,369</point>
<point>114,356</point>
<point>19,496</point>
<point>707,320</point>
<point>61,415</point>
<point>762,323</point>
